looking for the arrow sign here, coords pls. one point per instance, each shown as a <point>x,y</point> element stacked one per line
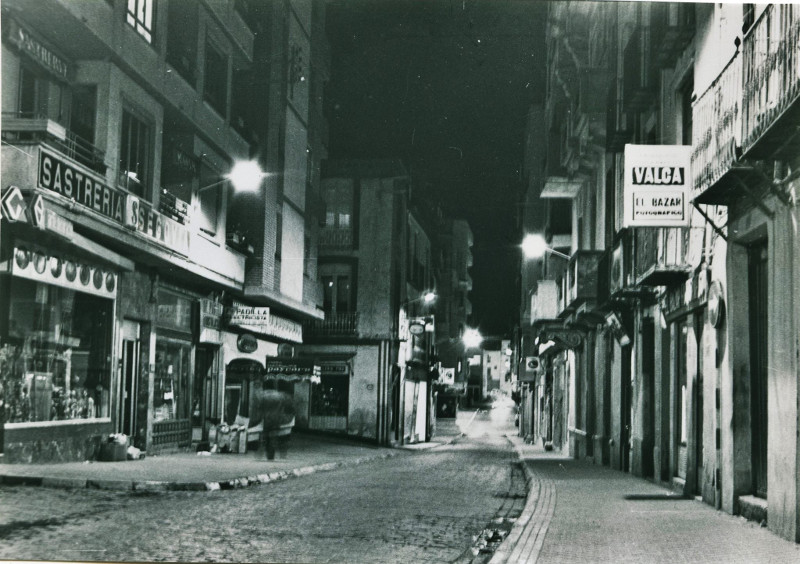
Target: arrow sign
<point>36,211</point>
<point>12,204</point>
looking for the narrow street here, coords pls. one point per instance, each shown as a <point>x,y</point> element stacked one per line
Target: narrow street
<point>419,506</point>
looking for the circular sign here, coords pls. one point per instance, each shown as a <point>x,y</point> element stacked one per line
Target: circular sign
<point>247,343</point>
<point>55,266</point>
<point>39,262</point>
<point>716,304</point>
<point>110,282</point>
<point>416,328</point>
<point>85,275</point>
<point>22,258</point>
<point>70,270</point>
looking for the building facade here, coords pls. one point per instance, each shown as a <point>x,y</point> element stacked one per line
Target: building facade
<point>127,283</point>
<point>376,265</point>
<point>678,338</point>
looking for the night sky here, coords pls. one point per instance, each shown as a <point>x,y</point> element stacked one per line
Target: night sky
<point>445,86</point>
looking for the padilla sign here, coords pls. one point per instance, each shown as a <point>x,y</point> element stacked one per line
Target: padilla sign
<point>656,185</point>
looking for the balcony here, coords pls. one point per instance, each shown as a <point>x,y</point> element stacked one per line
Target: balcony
<point>23,129</point>
<point>672,29</point>
<point>335,238</point>
<point>618,129</point>
<point>716,137</point>
<point>771,73</point>
<point>582,277</point>
<point>544,301</point>
<point>334,325</point>
<point>659,257</point>
<point>639,78</point>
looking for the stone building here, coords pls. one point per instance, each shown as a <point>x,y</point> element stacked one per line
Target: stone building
<point>674,331</point>
<point>135,296</point>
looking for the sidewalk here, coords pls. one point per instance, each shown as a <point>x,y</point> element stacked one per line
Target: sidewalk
<point>307,453</point>
<point>580,512</point>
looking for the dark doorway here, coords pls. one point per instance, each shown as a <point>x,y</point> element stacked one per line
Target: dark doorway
<point>699,320</point>
<point>757,301</point>
<point>131,345</point>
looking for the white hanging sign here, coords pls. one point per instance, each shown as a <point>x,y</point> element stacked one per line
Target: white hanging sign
<point>656,185</point>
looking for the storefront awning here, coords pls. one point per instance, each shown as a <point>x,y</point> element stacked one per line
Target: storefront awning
<point>292,369</point>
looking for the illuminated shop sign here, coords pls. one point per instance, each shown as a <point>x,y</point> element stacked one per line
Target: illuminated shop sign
<point>656,185</point>
<point>60,176</point>
<point>155,226</point>
<point>42,266</point>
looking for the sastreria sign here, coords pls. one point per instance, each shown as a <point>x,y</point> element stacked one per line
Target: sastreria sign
<point>657,182</point>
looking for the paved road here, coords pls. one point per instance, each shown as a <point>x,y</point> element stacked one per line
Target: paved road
<point>426,506</point>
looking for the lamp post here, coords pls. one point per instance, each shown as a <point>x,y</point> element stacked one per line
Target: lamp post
<point>245,176</point>
<point>534,246</point>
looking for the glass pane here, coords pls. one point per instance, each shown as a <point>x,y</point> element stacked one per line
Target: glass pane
<point>171,386</point>
<point>342,294</point>
<point>327,293</point>
<point>58,346</point>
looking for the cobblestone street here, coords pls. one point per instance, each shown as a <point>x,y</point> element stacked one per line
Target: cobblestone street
<point>418,507</point>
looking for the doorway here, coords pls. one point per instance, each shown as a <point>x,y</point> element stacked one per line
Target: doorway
<point>697,431</point>
<point>131,351</point>
<point>759,324</point>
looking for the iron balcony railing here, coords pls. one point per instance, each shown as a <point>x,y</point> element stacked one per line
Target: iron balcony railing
<point>334,325</point>
<point>771,59</point>
<point>336,237</point>
<point>716,128</point>
<point>21,127</point>
<point>660,259</point>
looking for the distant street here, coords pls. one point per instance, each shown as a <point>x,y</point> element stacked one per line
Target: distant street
<point>424,506</point>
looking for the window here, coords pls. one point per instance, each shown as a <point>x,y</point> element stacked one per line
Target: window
<point>32,94</point>
<point>140,17</point>
<point>171,382</point>
<point>182,38</point>
<point>134,154</point>
<point>215,90</point>
<point>686,112</point>
<point>209,200</point>
<point>278,233</point>
<point>338,206</point>
<point>337,294</point>
<point>58,347</point>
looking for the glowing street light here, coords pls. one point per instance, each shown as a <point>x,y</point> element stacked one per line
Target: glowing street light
<point>472,338</point>
<point>534,246</point>
<point>245,176</point>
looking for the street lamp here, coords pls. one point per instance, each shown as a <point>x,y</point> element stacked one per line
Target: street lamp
<point>534,246</point>
<point>472,338</point>
<point>245,176</point>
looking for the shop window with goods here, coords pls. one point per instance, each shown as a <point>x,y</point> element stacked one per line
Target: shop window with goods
<point>57,351</point>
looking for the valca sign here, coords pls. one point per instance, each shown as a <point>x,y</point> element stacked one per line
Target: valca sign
<point>656,185</point>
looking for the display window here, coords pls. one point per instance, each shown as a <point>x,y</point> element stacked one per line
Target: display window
<point>171,386</point>
<point>329,397</point>
<point>56,354</point>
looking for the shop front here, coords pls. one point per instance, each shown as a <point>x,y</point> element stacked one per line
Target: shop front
<point>329,401</point>
<point>56,350</point>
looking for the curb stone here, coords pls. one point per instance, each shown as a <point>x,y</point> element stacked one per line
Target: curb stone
<point>506,548</point>
<point>155,486</point>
